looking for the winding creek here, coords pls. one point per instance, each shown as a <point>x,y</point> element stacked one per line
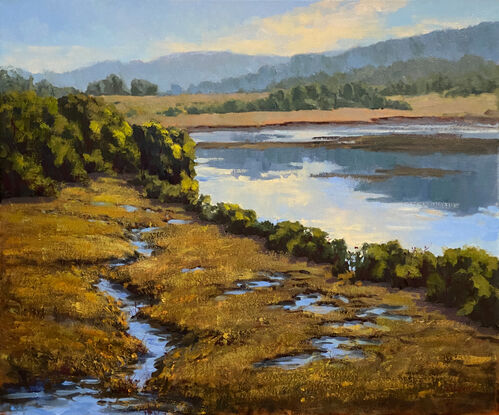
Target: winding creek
<point>86,397</point>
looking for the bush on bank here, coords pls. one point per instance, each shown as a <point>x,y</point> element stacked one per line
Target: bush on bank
<point>389,262</point>
<point>288,237</point>
<point>465,278</point>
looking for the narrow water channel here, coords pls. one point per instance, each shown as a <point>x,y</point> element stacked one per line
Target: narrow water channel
<point>85,396</point>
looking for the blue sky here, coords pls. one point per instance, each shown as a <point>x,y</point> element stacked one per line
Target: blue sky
<point>64,34</point>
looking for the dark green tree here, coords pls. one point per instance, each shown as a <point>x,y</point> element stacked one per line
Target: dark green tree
<point>142,87</point>
<point>112,85</point>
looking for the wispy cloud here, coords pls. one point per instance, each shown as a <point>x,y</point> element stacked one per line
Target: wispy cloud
<point>320,26</point>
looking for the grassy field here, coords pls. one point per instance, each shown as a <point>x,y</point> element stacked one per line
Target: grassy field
<point>142,109</point>
<point>57,325</point>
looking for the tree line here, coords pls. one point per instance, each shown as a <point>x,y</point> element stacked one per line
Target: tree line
<point>469,75</point>
<point>302,97</point>
<point>114,85</point>
<point>13,81</point>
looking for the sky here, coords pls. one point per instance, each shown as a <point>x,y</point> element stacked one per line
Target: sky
<point>61,35</point>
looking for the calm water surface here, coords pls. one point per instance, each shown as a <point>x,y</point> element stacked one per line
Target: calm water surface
<point>456,209</point>
<point>311,132</point>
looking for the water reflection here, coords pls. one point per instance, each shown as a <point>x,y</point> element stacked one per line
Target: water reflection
<point>455,209</point>
<point>311,132</point>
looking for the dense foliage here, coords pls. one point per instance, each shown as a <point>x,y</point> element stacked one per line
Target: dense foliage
<point>465,278</point>
<point>114,85</point>
<point>45,141</point>
<point>391,263</point>
<point>311,243</point>
<point>167,162</point>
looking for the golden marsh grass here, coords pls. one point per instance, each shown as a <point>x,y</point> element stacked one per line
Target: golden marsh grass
<point>57,325</point>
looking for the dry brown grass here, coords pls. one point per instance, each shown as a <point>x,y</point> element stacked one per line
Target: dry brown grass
<point>435,105</point>
<point>142,109</point>
<point>54,322</point>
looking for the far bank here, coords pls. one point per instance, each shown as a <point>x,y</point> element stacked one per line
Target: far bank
<point>481,108</point>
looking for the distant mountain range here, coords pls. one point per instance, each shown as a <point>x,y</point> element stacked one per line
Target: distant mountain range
<point>210,72</point>
<point>481,40</point>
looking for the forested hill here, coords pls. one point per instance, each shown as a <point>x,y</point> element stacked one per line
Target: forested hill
<point>415,76</point>
<point>480,40</point>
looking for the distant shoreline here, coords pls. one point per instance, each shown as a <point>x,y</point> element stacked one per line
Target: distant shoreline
<point>467,119</point>
<point>411,143</point>
<point>432,108</point>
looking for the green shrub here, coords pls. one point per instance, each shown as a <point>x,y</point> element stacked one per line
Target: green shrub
<point>166,153</point>
<point>468,279</point>
<point>171,112</point>
<point>37,146</point>
<point>184,192</point>
<point>167,163</point>
<point>389,262</point>
<point>377,262</point>
<point>236,219</point>
<point>312,243</point>
<point>102,134</point>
